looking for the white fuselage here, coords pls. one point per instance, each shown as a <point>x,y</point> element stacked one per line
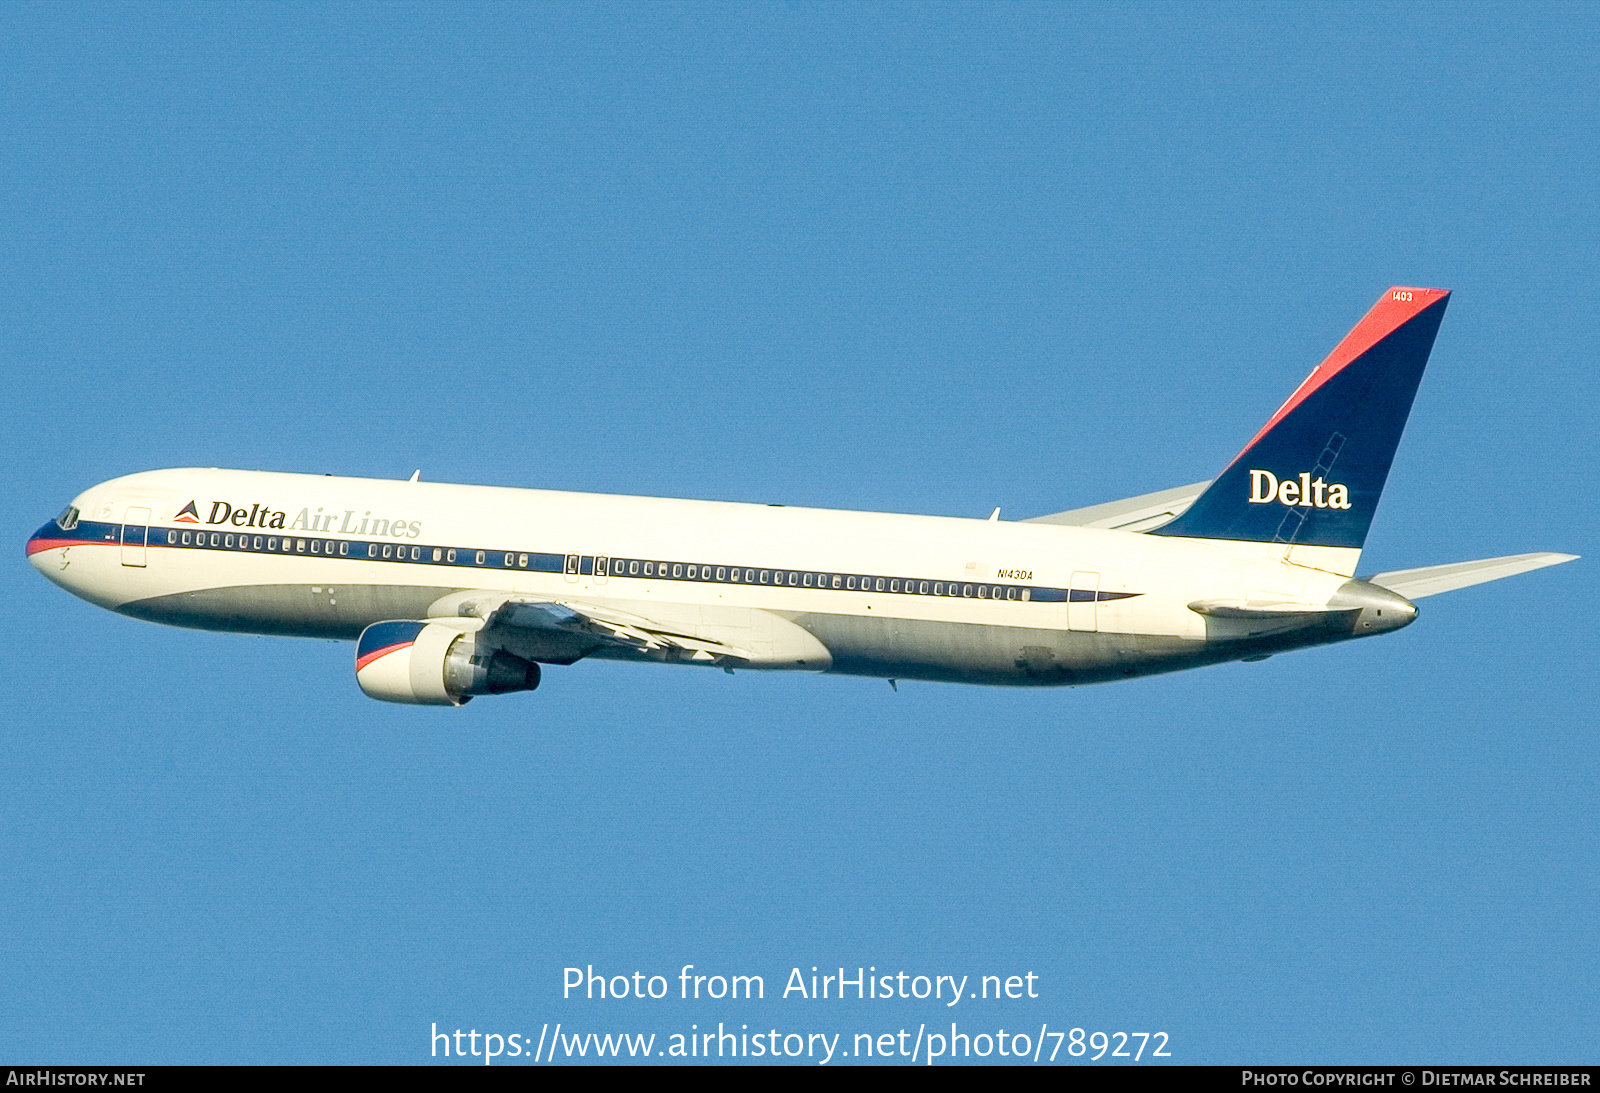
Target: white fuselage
<point>881,594</point>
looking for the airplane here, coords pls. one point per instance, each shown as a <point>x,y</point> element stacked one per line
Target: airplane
<point>455,591</point>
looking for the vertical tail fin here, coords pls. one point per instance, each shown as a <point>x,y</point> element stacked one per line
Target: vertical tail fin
<point>1313,474</point>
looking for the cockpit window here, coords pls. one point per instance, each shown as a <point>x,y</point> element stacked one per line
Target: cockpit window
<point>68,519</point>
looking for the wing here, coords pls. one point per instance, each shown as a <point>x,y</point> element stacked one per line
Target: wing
<point>1143,513</point>
<point>1430,580</point>
<point>562,631</point>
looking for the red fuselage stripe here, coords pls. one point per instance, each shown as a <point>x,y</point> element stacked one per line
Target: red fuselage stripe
<point>36,545</point>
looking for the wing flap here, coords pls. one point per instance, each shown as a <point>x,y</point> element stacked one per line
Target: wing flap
<point>1143,513</point>
<point>1431,580</point>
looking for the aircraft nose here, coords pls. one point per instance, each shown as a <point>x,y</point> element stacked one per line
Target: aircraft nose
<point>43,544</point>
<point>46,538</point>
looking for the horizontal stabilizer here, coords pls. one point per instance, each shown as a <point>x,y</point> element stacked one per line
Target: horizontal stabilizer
<point>1142,513</point>
<point>1430,580</point>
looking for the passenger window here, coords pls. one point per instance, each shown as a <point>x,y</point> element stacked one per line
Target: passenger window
<point>677,569</point>
<point>765,573</point>
<point>805,581</point>
<point>983,592</point>
<point>508,559</point>
<point>633,567</point>
<point>749,575</point>
<point>733,574</point>
<point>1011,593</point>
<point>437,554</point>
<point>478,558</point>
<point>877,586</point>
<point>522,561</point>
<point>691,573</point>
<point>186,538</point>
<point>722,573</point>
<point>938,589</point>
<point>450,556</point>
<point>227,540</point>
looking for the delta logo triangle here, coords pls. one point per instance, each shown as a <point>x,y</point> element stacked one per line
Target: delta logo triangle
<point>187,515</point>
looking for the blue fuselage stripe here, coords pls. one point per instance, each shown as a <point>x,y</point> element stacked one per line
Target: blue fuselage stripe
<point>627,569</point>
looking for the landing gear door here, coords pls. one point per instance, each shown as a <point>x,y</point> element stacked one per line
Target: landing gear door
<point>135,534</point>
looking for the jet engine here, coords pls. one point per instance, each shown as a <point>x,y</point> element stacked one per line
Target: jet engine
<point>435,664</point>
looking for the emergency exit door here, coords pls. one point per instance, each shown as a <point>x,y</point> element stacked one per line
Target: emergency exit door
<point>1082,602</point>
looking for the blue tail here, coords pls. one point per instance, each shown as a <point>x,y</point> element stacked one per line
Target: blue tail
<point>1313,474</point>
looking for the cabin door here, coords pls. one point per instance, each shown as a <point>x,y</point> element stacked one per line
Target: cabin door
<point>135,534</point>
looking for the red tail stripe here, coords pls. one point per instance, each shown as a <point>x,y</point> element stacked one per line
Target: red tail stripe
<point>1397,307</point>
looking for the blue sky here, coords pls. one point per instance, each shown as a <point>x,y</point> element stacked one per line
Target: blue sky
<point>915,258</point>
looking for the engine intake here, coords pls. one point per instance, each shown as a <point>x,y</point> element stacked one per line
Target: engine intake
<point>435,664</point>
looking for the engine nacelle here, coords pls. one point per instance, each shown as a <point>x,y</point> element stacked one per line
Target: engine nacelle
<point>435,664</point>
